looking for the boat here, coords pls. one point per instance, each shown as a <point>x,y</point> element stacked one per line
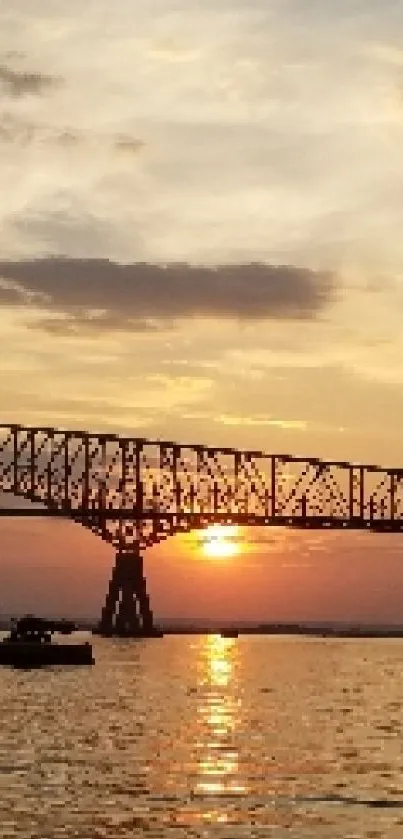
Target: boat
<point>29,644</point>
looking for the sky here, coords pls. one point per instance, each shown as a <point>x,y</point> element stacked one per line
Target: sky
<point>200,240</point>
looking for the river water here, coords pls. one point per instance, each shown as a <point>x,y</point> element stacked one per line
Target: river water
<point>201,736</point>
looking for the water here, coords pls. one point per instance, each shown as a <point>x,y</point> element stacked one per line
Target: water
<point>207,737</point>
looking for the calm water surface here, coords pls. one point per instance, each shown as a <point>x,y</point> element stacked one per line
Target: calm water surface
<point>207,737</point>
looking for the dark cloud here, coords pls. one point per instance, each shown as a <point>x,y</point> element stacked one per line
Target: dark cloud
<point>11,296</point>
<point>20,83</point>
<point>102,294</point>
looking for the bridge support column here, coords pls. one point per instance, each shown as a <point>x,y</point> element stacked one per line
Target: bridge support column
<point>127,608</point>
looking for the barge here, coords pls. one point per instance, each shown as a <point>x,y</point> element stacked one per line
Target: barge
<point>29,644</point>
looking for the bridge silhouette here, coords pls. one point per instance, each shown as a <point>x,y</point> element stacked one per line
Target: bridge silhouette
<point>135,492</point>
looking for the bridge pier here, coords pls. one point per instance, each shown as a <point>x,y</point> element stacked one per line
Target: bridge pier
<point>127,609</point>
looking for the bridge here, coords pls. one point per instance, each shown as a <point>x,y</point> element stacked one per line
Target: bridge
<point>135,492</point>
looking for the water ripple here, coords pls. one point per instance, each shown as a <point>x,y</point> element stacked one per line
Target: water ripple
<point>206,737</point>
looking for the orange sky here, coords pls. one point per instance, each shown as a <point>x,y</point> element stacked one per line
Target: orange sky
<point>200,240</point>
<point>60,568</point>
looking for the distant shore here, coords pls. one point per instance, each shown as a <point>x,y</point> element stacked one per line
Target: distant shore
<point>232,629</point>
<point>316,632</point>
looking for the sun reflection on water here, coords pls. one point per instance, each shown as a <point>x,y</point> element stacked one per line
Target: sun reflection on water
<point>219,718</point>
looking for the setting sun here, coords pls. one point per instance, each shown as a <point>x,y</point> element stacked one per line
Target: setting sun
<point>219,541</point>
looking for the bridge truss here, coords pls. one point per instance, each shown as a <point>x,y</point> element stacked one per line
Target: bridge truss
<point>134,492</point>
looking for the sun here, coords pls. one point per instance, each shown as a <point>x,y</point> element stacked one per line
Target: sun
<point>219,541</point>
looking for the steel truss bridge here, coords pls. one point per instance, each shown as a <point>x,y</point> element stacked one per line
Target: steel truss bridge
<point>134,492</point>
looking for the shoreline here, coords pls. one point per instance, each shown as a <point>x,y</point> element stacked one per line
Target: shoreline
<point>317,632</point>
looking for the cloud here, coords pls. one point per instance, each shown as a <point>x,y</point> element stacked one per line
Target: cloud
<point>99,293</point>
<point>252,152</point>
<point>258,420</point>
<point>128,144</point>
<point>10,295</point>
<point>91,325</point>
<point>21,83</point>
<point>17,131</point>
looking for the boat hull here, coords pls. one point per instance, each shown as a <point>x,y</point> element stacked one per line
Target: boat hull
<point>31,654</point>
